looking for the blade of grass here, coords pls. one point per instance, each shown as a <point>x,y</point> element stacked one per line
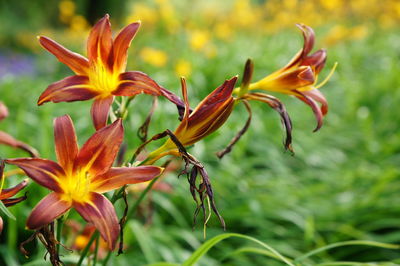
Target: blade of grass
<point>347,243</point>
<point>203,249</point>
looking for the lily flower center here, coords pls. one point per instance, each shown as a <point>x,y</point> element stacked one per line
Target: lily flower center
<point>104,80</point>
<point>76,187</point>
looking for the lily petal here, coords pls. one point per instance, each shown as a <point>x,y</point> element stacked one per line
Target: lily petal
<point>9,192</point>
<point>314,106</point>
<point>101,213</point>
<point>118,177</point>
<point>99,111</point>
<point>47,210</point>
<point>44,172</point>
<point>317,60</point>
<point>8,140</point>
<point>136,82</point>
<point>73,88</point>
<point>76,62</point>
<point>100,41</point>
<point>316,95</point>
<point>98,153</point>
<point>3,111</point>
<point>120,46</point>
<point>13,201</point>
<point>65,142</point>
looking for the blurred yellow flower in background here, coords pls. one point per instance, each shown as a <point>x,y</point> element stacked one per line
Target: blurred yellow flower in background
<point>154,57</point>
<point>183,68</point>
<point>199,39</point>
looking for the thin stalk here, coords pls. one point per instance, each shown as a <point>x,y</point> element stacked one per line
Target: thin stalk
<point>96,251</point>
<point>133,209</point>
<point>86,250</point>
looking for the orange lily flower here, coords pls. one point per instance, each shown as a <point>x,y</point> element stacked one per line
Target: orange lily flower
<point>80,176</point>
<point>8,140</point>
<point>102,76</point>
<point>209,115</point>
<point>7,193</point>
<point>298,77</point>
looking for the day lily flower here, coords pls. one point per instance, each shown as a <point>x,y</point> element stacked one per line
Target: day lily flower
<point>209,115</point>
<point>80,177</point>
<point>102,75</point>
<point>299,77</point>
<point>8,140</point>
<point>7,193</point>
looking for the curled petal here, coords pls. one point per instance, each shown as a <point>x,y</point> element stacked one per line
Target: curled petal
<point>100,41</point>
<point>309,39</point>
<point>65,142</point>
<point>136,82</point>
<point>317,60</point>
<point>118,177</point>
<point>314,106</point>
<point>76,62</point>
<point>73,88</point>
<point>100,110</point>
<point>3,111</point>
<point>98,153</point>
<point>9,192</point>
<point>101,213</point>
<point>8,140</point>
<point>44,172</point>
<point>316,95</point>
<point>278,106</point>
<point>13,201</point>
<point>47,210</point>
<point>120,46</point>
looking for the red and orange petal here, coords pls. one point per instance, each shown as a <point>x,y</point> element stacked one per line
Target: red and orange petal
<point>118,177</point>
<point>118,54</point>
<point>9,192</point>
<point>8,140</point>
<point>101,213</point>
<point>44,172</point>
<point>66,144</point>
<point>73,88</point>
<point>3,111</point>
<point>311,100</point>
<point>135,82</point>
<point>100,110</point>
<point>100,41</point>
<point>48,209</point>
<point>76,62</point>
<point>98,153</point>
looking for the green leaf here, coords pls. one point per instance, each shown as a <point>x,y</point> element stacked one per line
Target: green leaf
<point>203,249</point>
<point>347,243</point>
<point>163,264</point>
<point>4,209</point>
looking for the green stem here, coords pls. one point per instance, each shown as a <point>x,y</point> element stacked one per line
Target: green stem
<point>60,222</point>
<point>96,250</point>
<point>133,209</point>
<point>86,250</point>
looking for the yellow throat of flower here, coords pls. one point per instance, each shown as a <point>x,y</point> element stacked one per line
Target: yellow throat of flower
<point>103,79</point>
<point>76,187</point>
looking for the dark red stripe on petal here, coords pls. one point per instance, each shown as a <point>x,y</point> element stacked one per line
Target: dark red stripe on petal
<point>119,50</point>
<point>77,63</point>
<point>65,142</point>
<point>9,192</point>
<point>99,152</point>
<point>101,213</point>
<point>47,210</point>
<point>44,172</point>
<point>136,82</point>
<point>100,110</point>
<point>314,106</point>
<point>73,88</point>
<point>100,41</point>
<point>118,177</point>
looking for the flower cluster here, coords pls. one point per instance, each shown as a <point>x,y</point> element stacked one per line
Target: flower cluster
<point>81,175</point>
